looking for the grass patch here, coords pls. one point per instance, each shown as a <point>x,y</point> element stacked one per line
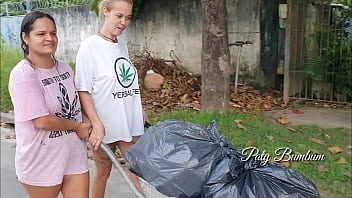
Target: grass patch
<point>10,56</point>
<point>267,135</point>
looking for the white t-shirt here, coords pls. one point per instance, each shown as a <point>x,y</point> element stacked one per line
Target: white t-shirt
<point>104,70</point>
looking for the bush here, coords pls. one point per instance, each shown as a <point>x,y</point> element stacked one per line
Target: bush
<point>334,63</point>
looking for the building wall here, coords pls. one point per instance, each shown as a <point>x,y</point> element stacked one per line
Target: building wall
<point>167,29</point>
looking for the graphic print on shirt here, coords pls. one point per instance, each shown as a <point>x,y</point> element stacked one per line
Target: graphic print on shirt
<point>69,110</point>
<point>125,72</point>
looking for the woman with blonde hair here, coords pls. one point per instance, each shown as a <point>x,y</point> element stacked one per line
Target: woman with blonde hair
<point>108,87</point>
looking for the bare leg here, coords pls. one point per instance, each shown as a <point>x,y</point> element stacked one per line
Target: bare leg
<point>124,146</point>
<point>41,191</point>
<point>102,173</point>
<point>76,186</point>
<point>103,167</point>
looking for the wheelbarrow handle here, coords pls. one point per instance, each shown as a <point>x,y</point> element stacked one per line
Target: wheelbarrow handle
<point>117,164</point>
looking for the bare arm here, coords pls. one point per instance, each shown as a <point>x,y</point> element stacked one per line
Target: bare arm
<point>98,130</point>
<point>54,123</point>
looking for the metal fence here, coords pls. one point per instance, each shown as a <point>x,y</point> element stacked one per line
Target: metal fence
<point>319,56</point>
<point>24,6</point>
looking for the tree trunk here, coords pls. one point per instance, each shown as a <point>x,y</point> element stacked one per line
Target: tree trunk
<point>215,57</point>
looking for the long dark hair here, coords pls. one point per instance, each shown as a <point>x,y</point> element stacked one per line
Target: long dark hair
<point>26,26</point>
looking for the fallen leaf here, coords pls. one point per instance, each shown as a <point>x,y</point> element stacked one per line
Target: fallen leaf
<point>285,162</point>
<point>271,138</point>
<point>348,174</point>
<point>250,143</point>
<point>323,168</point>
<point>291,129</point>
<point>239,124</point>
<point>317,141</point>
<point>283,120</point>
<point>284,105</point>
<point>315,151</point>
<point>296,111</point>
<point>266,106</point>
<point>184,98</point>
<point>10,136</point>
<point>238,121</point>
<point>289,141</point>
<point>275,102</point>
<point>335,150</point>
<point>342,160</point>
<point>196,108</point>
<point>237,106</point>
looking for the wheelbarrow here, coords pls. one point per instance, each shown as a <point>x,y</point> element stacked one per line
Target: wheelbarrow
<point>148,189</point>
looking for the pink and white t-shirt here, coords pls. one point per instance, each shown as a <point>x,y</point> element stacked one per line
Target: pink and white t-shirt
<point>44,157</point>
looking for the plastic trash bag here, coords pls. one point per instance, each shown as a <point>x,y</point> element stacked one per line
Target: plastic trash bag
<point>233,178</point>
<point>186,160</point>
<point>177,157</point>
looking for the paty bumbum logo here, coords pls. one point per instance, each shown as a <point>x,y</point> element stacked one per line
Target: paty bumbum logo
<point>125,72</point>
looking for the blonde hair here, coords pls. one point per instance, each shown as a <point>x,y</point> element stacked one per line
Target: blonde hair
<point>107,4</point>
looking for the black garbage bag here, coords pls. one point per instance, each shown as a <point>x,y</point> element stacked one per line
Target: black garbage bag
<point>177,157</point>
<point>186,160</point>
<point>234,178</point>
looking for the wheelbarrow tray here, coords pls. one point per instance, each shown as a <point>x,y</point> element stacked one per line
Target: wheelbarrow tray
<point>149,190</point>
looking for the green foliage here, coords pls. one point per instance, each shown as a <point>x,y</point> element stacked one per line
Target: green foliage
<point>334,63</point>
<point>137,7</point>
<point>166,86</point>
<point>267,135</point>
<point>2,42</point>
<point>95,6</point>
<point>8,59</point>
<point>17,7</point>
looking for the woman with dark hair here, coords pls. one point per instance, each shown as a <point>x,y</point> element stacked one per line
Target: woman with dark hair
<point>51,153</point>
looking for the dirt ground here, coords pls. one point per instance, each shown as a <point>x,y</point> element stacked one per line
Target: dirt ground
<point>322,117</point>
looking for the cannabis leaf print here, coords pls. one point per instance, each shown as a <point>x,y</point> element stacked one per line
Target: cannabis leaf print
<point>125,75</point>
<point>68,111</point>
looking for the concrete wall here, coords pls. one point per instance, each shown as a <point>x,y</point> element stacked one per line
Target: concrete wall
<point>10,29</point>
<point>243,19</point>
<point>163,27</point>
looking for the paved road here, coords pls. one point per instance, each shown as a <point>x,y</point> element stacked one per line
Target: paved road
<point>10,187</point>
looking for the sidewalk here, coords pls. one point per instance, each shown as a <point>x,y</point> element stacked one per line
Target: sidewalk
<point>322,117</point>
<point>10,187</point>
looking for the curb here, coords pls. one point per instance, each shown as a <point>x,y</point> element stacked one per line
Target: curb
<point>7,118</point>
